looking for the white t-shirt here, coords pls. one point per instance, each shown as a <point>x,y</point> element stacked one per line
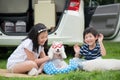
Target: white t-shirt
<point>19,54</point>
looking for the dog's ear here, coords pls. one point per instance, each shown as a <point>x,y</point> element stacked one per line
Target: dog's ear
<point>63,53</point>
<point>50,53</point>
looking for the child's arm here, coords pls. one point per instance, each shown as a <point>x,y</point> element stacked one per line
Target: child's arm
<point>102,48</point>
<point>29,54</point>
<point>77,55</point>
<point>43,58</point>
<point>77,50</point>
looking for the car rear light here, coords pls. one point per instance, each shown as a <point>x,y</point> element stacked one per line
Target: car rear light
<point>74,5</point>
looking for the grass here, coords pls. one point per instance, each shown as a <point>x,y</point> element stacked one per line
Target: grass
<point>113,51</point>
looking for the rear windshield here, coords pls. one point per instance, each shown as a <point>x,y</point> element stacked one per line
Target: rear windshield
<point>13,6</point>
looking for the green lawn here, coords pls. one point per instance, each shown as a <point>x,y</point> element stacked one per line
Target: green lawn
<point>113,51</point>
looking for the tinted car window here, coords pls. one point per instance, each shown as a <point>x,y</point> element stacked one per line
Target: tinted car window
<point>13,6</point>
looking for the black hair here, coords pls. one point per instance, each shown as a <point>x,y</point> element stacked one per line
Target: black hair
<point>34,33</point>
<point>90,30</point>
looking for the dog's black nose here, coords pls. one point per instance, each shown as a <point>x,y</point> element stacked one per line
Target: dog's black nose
<point>58,50</point>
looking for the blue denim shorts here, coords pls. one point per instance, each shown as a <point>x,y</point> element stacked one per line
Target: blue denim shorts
<point>79,61</point>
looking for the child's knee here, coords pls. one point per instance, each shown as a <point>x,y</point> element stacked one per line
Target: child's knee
<point>32,64</point>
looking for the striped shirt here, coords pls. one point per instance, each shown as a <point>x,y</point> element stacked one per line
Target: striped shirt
<point>90,54</point>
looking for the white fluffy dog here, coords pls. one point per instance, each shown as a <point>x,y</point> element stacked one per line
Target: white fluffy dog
<point>101,64</point>
<point>57,55</point>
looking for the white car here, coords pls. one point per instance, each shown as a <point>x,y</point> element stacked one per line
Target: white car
<point>65,20</point>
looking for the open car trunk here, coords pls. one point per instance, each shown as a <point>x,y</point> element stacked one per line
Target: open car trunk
<point>16,16</point>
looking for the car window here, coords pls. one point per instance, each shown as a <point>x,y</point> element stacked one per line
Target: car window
<point>13,6</point>
<point>60,4</point>
<point>100,2</point>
